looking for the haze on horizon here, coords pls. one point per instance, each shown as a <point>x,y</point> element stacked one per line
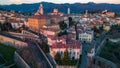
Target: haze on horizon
<point>7,2</point>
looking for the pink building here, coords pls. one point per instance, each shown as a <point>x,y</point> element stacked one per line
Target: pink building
<point>62,43</point>
<point>73,47</point>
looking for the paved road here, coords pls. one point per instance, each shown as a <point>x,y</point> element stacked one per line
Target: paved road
<point>42,61</point>
<point>84,55</point>
<point>85,47</point>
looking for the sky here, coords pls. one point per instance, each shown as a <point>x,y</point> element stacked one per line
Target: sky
<point>6,2</point>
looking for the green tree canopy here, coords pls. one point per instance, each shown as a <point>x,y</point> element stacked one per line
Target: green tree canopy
<point>62,25</point>
<point>70,21</point>
<point>45,47</point>
<point>57,56</point>
<point>7,26</point>
<point>66,57</point>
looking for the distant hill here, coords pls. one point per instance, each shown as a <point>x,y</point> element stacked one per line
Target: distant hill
<point>75,8</point>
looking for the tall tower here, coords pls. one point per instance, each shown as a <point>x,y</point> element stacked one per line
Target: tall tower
<point>68,10</point>
<point>86,12</point>
<point>40,10</point>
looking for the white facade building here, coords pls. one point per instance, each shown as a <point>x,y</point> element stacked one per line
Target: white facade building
<point>86,36</point>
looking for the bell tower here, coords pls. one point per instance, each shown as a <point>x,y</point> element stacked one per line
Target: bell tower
<point>68,10</point>
<point>40,10</point>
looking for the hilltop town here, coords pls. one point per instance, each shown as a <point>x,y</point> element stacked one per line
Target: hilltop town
<point>58,40</point>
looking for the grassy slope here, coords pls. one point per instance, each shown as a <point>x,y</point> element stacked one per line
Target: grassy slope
<point>8,53</point>
<point>111,52</point>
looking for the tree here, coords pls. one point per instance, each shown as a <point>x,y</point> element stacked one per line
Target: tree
<point>7,26</point>
<point>101,28</point>
<point>77,35</point>
<point>95,29</point>
<point>58,58</point>
<point>0,26</point>
<point>45,47</point>
<point>70,21</point>
<point>66,57</point>
<point>107,40</point>
<point>62,25</point>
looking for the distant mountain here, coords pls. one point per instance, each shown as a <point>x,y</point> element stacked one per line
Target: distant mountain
<point>75,8</point>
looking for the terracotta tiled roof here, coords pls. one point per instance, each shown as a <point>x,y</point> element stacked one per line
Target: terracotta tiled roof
<point>56,37</point>
<point>45,16</point>
<point>40,16</point>
<point>75,44</point>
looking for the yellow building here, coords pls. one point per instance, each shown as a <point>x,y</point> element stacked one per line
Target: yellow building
<point>37,21</point>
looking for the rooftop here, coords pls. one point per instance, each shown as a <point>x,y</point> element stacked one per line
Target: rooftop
<point>44,16</point>
<point>74,44</point>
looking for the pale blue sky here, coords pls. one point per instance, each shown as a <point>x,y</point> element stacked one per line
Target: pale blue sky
<point>57,1</point>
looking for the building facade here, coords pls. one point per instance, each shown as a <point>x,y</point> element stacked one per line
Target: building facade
<point>74,49</point>
<point>86,36</point>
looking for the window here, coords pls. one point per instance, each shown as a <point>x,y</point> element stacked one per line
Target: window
<point>74,53</point>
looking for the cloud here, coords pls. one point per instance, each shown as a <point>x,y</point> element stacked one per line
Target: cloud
<point>15,1</point>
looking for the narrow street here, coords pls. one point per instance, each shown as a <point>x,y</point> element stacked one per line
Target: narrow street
<point>86,46</point>
<point>84,55</point>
